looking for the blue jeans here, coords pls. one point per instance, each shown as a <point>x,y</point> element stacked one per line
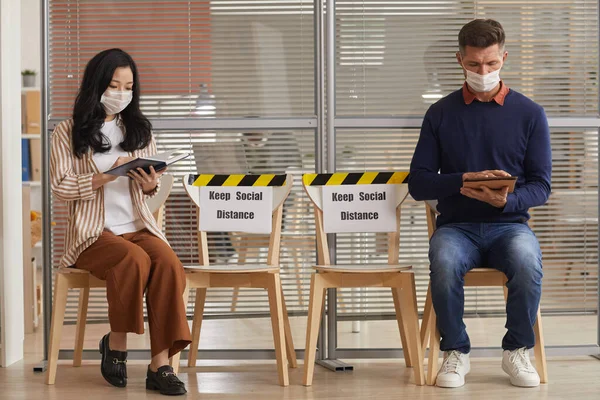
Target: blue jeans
<point>511,248</point>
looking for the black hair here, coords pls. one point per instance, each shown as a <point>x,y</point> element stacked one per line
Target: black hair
<point>89,114</point>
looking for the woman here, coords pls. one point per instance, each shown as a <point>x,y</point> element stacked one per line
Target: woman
<point>111,232</point>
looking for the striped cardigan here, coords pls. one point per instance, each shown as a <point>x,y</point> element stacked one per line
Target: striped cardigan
<point>71,182</point>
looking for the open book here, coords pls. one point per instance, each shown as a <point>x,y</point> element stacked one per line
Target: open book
<point>493,182</point>
<point>158,161</point>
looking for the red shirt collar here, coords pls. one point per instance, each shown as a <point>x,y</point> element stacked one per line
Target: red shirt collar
<point>498,98</point>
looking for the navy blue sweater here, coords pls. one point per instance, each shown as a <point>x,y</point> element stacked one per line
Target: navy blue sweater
<point>457,137</point>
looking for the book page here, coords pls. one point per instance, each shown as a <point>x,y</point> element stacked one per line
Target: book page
<point>164,156</point>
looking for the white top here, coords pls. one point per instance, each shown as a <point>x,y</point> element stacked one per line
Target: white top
<point>120,216</point>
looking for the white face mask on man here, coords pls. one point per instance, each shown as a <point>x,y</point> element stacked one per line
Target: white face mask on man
<point>482,83</point>
<point>115,101</point>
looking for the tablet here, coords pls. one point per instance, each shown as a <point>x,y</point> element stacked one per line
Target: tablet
<point>495,182</point>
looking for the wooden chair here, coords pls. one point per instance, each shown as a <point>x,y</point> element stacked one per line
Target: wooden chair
<point>264,276</point>
<point>399,278</point>
<point>294,239</point>
<point>73,278</point>
<point>477,277</point>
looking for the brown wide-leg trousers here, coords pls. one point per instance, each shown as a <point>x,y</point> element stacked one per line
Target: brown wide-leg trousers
<point>132,264</point>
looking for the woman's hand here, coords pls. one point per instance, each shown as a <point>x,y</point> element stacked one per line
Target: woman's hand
<point>99,180</point>
<point>147,181</point>
<point>118,162</point>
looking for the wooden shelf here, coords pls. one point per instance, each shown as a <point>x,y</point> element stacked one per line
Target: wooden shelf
<point>33,183</point>
<point>31,136</point>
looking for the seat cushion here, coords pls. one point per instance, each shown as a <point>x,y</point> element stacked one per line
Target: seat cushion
<point>362,268</point>
<point>71,270</point>
<point>231,268</point>
<point>480,270</point>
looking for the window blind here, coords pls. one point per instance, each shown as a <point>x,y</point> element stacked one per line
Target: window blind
<point>221,59</point>
<point>196,58</point>
<point>398,57</point>
<point>200,60</point>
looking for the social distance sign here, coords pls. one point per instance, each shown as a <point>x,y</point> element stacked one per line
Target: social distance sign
<point>359,208</point>
<point>236,208</point>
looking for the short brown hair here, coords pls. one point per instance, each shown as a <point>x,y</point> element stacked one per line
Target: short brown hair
<point>481,33</point>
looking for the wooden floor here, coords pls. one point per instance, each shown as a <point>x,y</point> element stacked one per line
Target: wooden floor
<point>575,378</point>
<point>571,377</point>
<point>256,333</point>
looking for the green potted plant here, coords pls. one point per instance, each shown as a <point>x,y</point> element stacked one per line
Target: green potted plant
<point>28,77</point>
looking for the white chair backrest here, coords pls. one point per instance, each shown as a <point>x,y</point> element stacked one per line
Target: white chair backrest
<point>156,202</point>
<point>313,183</point>
<point>432,204</point>
<point>282,184</point>
<point>431,214</point>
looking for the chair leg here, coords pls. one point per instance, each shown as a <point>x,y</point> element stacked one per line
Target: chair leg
<point>434,349</point>
<point>197,325</point>
<point>234,298</point>
<point>425,325</point>
<point>84,296</point>
<point>276,308</point>
<point>407,296</point>
<point>242,256</point>
<point>315,310</point>
<point>176,359</point>
<point>61,290</point>
<point>539,349</point>
<point>402,329</point>
<point>289,341</point>
<point>174,362</point>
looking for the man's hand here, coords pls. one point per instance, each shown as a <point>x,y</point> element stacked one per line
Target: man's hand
<point>484,174</point>
<point>496,198</point>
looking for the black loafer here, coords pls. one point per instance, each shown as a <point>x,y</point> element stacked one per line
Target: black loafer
<point>113,365</point>
<point>165,381</point>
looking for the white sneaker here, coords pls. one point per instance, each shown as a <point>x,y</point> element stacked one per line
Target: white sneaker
<point>454,368</point>
<point>517,365</point>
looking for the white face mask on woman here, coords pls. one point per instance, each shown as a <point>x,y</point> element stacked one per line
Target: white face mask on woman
<point>115,101</point>
<point>483,83</point>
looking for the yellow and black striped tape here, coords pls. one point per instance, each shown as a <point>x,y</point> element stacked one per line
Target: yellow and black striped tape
<point>237,180</point>
<point>355,178</point>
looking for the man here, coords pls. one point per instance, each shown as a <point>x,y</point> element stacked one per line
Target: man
<point>484,130</point>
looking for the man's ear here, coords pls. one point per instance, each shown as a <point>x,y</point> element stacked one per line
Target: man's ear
<point>459,58</point>
<point>505,56</point>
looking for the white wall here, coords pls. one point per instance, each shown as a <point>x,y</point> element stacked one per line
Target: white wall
<point>30,35</point>
<point>31,59</point>
<point>11,238</point>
